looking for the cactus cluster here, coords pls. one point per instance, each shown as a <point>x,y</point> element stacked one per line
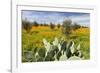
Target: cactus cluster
<point>58,50</point>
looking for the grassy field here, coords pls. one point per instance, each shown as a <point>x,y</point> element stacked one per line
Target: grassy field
<point>36,35</point>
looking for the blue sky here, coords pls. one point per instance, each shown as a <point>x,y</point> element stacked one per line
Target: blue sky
<point>56,17</point>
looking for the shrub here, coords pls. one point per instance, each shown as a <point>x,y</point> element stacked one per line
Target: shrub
<point>76,26</point>
<point>26,25</point>
<point>66,26</point>
<point>52,26</point>
<point>58,25</point>
<point>35,24</point>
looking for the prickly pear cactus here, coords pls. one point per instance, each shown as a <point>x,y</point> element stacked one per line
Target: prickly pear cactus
<point>75,58</point>
<point>55,42</point>
<point>58,50</point>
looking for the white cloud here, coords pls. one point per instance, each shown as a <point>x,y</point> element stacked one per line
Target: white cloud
<point>47,17</point>
<point>81,19</point>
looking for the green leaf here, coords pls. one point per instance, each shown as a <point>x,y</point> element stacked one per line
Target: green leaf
<point>74,58</point>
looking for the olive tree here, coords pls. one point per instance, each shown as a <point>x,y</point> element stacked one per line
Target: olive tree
<point>66,26</point>
<point>58,25</point>
<point>52,26</point>
<point>35,23</point>
<point>26,25</point>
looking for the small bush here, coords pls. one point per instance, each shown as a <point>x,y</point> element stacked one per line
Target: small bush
<point>76,26</point>
<point>52,26</point>
<point>35,24</point>
<point>66,27</point>
<point>26,25</point>
<point>58,25</point>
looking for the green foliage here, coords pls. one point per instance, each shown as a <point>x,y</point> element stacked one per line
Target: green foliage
<point>52,52</point>
<point>58,25</point>
<point>54,48</point>
<point>67,27</point>
<point>26,25</point>
<point>35,24</point>
<point>75,58</point>
<point>76,26</point>
<point>42,52</point>
<point>52,26</point>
